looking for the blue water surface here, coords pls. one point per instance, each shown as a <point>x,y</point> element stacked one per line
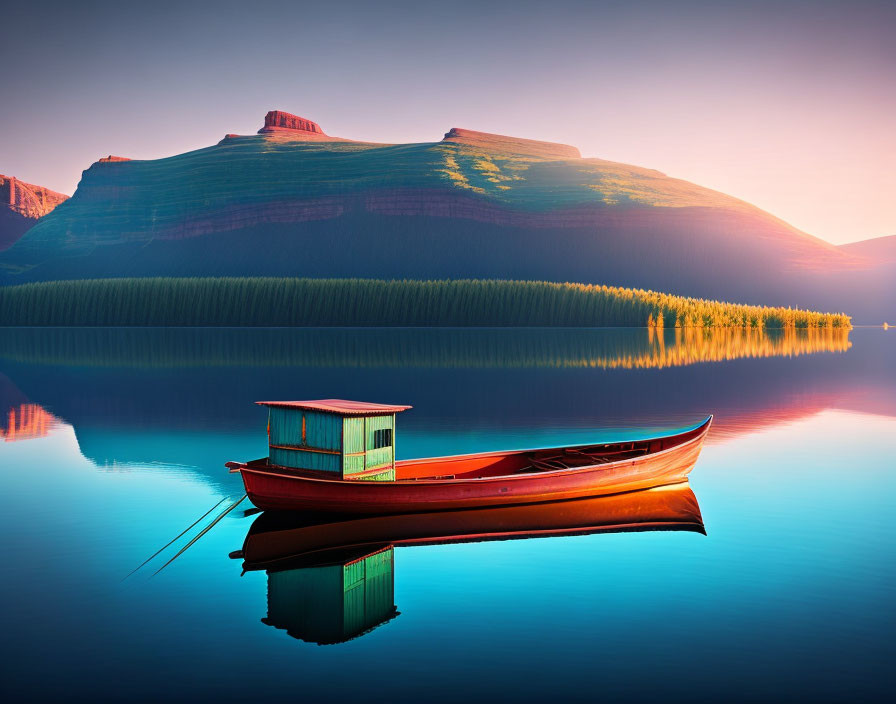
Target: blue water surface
<point>788,596</point>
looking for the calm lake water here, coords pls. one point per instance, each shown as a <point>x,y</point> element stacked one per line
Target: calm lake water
<point>115,442</point>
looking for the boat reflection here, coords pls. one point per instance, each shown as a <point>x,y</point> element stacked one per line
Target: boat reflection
<point>331,579</point>
<point>335,597</point>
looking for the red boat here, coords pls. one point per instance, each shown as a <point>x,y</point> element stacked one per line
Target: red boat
<point>338,456</point>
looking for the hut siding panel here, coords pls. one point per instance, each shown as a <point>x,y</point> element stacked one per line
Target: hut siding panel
<point>383,455</point>
<point>378,458</point>
<point>353,465</point>
<point>353,609</point>
<point>353,434</point>
<point>358,436</point>
<point>306,460</point>
<point>285,427</point>
<point>322,430</point>
<point>369,591</point>
<point>387,475</point>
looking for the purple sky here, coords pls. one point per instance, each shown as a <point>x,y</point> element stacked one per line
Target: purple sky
<point>788,105</point>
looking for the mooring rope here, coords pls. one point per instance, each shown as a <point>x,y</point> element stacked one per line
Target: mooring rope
<point>201,533</point>
<point>175,539</point>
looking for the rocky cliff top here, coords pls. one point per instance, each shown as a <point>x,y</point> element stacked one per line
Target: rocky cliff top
<point>27,199</point>
<point>511,145</point>
<point>277,121</point>
<point>284,126</point>
<point>112,158</point>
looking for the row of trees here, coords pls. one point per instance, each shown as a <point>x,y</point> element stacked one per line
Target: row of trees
<point>682,312</point>
<point>365,302</point>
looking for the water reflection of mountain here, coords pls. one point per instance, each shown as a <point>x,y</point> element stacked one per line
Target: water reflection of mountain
<point>331,579</point>
<point>25,422</point>
<point>429,348</point>
<point>120,411</point>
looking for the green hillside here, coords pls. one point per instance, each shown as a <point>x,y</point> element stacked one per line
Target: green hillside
<point>245,180</point>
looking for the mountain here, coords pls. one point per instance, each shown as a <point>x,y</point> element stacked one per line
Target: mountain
<point>881,250</point>
<point>25,204</point>
<point>292,200</point>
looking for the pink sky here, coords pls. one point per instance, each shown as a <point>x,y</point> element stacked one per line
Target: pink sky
<point>787,105</point>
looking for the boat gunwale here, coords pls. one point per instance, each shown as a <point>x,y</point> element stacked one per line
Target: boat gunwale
<point>701,430</point>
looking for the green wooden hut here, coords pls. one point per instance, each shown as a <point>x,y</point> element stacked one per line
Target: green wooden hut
<point>350,439</point>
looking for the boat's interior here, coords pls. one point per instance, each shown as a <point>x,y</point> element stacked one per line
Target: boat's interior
<point>526,462</point>
<point>534,461</point>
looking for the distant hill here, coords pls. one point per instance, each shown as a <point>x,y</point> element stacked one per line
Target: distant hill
<point>881,250</point>
<point>294,201</point>
<point>22,205</point>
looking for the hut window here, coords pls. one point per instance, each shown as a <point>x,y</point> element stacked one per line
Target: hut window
<point>382,438</point>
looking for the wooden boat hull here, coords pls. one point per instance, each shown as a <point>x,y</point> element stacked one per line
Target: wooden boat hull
<point>283,541</point>
<point>668,460</point>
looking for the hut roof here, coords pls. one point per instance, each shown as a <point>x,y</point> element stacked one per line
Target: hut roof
<point>338,406</point>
